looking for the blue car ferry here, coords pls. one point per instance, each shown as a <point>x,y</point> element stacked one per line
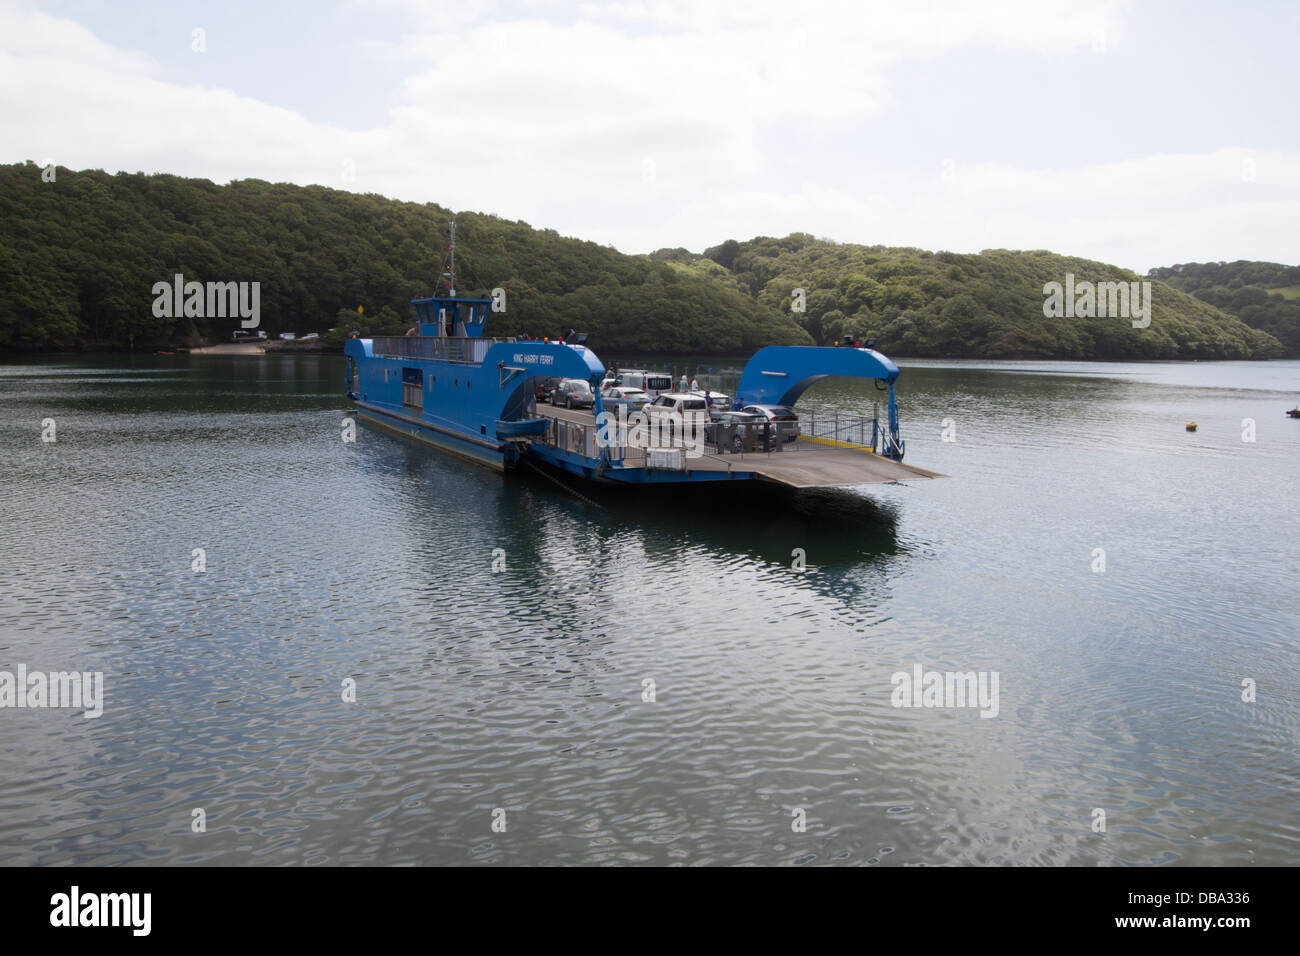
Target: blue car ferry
<point>450,386</point>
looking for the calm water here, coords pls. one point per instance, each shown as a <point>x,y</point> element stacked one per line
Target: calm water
<point>523,690</point>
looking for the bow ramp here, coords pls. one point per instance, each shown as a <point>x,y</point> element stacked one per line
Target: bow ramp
<point>779,375</point>
<point>808,464</point>
<point>834,449</point>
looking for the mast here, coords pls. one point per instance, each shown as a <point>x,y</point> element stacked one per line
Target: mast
<point>450,273</point>
<point>448,276</point>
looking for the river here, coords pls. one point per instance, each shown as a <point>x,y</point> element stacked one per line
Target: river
<point>651,679</point>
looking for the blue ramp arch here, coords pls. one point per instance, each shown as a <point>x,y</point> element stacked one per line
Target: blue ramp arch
<point>779,374</point>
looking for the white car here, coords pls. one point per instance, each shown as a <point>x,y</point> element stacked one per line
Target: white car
<point>692,409</point>
<point>718,402</point>
<point>684,403</point>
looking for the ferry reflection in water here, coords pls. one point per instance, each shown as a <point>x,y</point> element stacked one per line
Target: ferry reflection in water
<point>644,538</point>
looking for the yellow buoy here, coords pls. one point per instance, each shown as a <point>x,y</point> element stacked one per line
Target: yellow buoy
<point>1191,426</point>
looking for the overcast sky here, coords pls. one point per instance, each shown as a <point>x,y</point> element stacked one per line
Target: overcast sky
<point>1141,134</point>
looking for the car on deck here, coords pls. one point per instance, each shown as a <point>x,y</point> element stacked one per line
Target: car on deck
<point>634,399</point>
<point>678,409</point>
<point>573,393</point>
<point>786,421</point>
<point>544,386</point>
<point>653,384</point>
<point>717,402</point>
<point>686,404</point>
<point>733,432</point>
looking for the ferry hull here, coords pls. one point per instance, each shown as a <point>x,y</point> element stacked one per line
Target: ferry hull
<point>463,447</point>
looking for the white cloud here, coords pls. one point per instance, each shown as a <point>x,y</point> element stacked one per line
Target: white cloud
<point>646,124</point>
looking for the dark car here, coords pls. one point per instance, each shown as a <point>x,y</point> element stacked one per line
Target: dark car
<point>740,431</point>
<point>785,420</point>
<point>544,387</point>
<point>573,393</point>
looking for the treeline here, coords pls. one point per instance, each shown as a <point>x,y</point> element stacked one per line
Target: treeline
<point>1264,295</point>
<point>79,257</point>
<point>943,304</point>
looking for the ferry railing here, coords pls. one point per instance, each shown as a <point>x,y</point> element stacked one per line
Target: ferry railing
<point>637,454</point>
<point>720,443</point>
<point>469,351</point>
<point>580,438</point>
<point>839,430</point>
<point>717,458</point>
<point>583,438</point>
<point>812,433</point>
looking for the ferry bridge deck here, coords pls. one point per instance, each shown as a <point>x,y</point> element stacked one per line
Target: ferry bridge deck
<point>805,463</point>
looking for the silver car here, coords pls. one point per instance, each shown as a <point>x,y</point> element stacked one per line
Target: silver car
<point>573,393</point>
<point>633,398</point>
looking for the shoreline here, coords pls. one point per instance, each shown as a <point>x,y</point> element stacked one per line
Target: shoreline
<point>231,348</point>
<point>317,348</point>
